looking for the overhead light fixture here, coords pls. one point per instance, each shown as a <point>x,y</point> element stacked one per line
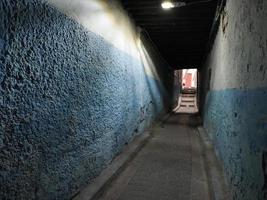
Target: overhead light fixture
<point>167,5</point>
<point>170,4</point>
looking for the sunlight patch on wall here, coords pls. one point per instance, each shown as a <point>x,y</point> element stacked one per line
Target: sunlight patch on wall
<point>105,19</point>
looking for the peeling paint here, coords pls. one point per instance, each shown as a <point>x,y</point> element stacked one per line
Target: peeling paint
<point>224,21</point>
<point>234,103</point>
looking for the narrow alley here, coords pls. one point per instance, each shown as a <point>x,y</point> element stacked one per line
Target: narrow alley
<point>133,99</point>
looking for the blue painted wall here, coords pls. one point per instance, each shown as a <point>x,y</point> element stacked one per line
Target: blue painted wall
<point>69,101</point>
<point>236,120</point>
<point>234,109</point>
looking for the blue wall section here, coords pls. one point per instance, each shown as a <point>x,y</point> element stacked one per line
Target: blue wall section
<point>69,101</point>
<point>234,97</point>
<point>236,120</point>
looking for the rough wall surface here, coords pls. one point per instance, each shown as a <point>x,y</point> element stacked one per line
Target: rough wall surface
<point>177,87</point>
<point>235,111</point>
<point>69,101</point>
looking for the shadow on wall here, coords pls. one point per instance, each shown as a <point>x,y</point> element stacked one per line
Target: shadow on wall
<point>153,71</point>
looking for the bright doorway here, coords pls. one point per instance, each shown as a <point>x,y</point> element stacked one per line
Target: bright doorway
<point>187,98</point>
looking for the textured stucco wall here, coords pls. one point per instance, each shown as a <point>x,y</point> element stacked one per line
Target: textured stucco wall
<point>235,111</point>
<point>70,97</point>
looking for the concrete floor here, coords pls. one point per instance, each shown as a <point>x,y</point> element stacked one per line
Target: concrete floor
<point>169,167</point>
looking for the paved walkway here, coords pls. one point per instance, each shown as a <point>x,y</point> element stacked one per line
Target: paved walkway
<point>169,167</point>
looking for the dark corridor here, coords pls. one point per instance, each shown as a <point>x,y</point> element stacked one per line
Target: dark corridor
<point>88,91</point>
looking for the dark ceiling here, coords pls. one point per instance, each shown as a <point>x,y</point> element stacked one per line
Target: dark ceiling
<point>180,34</point>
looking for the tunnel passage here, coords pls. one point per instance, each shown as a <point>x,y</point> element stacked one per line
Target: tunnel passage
<point>186,86</point>
<point>79,80</point>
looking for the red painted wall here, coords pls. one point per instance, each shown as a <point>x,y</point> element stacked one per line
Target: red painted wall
<point>188,80</point>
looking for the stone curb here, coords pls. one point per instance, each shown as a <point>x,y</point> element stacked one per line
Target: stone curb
<point>217,182</point>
